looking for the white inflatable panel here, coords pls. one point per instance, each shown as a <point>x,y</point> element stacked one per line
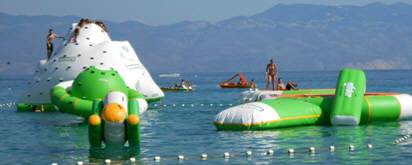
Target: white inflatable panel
<point>344,120</point>
<point>405,101</point>
<point>114,133</point>
<point>247,114</point>
<point>259,95</point>
<point>116,97</point>
<point>143,106</point>
<point>65,84</point>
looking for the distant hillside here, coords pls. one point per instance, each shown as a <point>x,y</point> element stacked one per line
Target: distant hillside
<point>300,37</point>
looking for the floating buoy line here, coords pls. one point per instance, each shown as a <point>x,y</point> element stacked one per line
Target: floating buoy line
<point>160,105</point>
<point>12,105</point>
<point>403,138</point>
<point>8,106</point>
<point>248,154</point>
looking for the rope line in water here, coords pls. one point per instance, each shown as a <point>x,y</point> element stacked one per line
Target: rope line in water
<point>192,105</point>
<point>8,106</point>
<point>248,154</point>
<point>403,139</point>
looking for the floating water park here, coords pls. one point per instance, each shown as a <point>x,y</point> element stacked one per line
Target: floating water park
<point>100,90</point>
<point>349,104</point>
<point>104,82</point>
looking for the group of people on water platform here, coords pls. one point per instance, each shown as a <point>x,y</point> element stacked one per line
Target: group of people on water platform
<point>272,76</point>
<point>51,36</point>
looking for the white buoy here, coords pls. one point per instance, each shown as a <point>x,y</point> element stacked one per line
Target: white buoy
<point>180,157</point>
<point>79,163</point>
<point>164,105</point>
<point>192,105</point>
<point>183,105</point>
<point>203,156</point>
<point>351,147</point>
<point>211,105</point>
<point>54,164</point>
<point>369,146</point>
<point>156,158</point>
<point>132,159</point>
<point>226,154</point>
<point>331,148</point>
<point>201,105</point>
<point>312,149</point>
<point>249,153</point>
<point>269,152</point>
<point>220,105</point>
<point>291,151</point>
<point>107,161</point>
<point>174,105</point>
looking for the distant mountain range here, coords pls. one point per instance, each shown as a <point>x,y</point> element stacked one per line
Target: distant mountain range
<point>299,37</point>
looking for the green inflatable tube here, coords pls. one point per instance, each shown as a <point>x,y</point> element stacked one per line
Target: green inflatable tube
<point>133,128</point>
<point>95,127</point>
<point>288,112</point>
<point>350,89</point>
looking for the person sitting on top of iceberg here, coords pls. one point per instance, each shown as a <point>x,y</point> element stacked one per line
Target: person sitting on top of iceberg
<point>50,38</point>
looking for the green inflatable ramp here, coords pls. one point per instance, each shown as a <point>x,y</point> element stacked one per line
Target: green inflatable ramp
<point>350,89</point>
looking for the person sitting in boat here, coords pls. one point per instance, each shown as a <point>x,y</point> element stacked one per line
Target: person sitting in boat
<point>271,74</point>
<point>291,85</point>
<point>252,84</point>
<point>186,84</point>
<point>179,85</point>
<point>281,85</point>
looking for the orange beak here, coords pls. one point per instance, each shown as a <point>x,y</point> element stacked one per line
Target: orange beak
<point>114,113</point>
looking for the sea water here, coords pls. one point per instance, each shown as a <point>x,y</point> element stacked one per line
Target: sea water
<point>182,124</point>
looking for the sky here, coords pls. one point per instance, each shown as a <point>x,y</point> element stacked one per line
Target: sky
<point>159,12</point>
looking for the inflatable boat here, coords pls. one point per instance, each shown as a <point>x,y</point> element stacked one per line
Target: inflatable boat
<point>349,105</point>
<point>231,84</point>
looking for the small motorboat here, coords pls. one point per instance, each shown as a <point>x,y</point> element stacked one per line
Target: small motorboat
<point>242,83</point>
<point>182,86</point>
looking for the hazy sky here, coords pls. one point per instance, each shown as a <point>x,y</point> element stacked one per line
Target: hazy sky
<point>158,12</point>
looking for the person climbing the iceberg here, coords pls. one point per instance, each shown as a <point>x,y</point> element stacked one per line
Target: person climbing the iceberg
<point>271,74</point>
<point>50,38</point>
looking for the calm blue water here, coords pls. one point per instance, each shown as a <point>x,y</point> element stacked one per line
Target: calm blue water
<point>43,138</point>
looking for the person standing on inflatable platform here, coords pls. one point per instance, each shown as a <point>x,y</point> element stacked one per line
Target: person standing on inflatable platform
<point>50,38</point>
<point>271,74</point>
